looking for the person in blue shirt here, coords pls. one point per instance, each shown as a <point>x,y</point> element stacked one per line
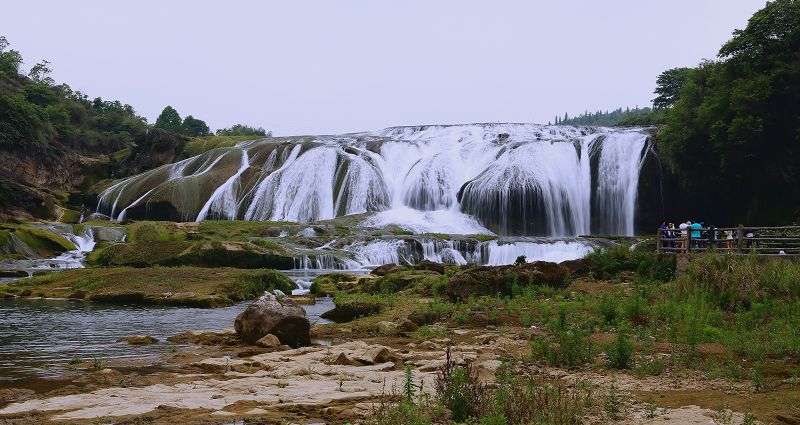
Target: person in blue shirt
<point>696,233</point>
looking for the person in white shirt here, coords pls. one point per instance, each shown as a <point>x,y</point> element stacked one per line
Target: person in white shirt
<point>684,233</point>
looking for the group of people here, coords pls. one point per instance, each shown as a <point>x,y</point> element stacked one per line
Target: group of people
<point>678,237</point>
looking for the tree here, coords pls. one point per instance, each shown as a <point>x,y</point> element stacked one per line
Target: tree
<point>169,119</point>
<point>194,127</point>
<point>243,130</point>
<point>668,85</point>
<point>9,60</point>
<point>733,131</point>
<point>771,33</point>
<point>40,73</point>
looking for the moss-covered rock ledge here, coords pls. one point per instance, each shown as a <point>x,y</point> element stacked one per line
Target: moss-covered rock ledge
<point>179,286</point>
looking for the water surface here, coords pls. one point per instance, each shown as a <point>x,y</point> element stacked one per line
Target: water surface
<point>39,337</point>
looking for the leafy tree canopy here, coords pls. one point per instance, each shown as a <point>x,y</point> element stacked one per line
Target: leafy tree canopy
<point>194,127</point>
<point>35,113</point>
<point>732,137</point>
<point>668,86</point>
<point>243,130</point>
<point>169,119</point>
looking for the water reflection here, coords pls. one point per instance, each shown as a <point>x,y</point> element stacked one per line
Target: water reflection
<point>39,337</point>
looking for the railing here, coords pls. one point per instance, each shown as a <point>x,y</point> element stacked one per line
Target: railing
<point>765,241</point>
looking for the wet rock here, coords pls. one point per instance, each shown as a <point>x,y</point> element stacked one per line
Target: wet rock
<point>108,234</point>
<point>579,267</point>
<point>430,266</point>
<point>269,341</point>
<point>271,314</point>
<point>488,280</point>
<point>138,340</point>
<point>386,269</point>
<point>13,273</point>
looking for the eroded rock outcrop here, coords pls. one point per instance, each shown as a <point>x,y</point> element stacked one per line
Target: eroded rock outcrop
<point>274,314</point>
<point>487,280</point>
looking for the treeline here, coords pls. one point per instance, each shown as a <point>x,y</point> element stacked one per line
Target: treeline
<point>170,120</point>
<point>36,112</point>
<point>731,137</point>
<point>616,118</point>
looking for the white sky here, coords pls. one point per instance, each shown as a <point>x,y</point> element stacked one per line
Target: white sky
<point>311,67</point>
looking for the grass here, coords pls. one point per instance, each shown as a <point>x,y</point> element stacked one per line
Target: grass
<point>193,286</point>
<point>207,244</point>
<point>353,306</point>
<point>199,145</point>
<point>41,241</point>
<point>518,396</point>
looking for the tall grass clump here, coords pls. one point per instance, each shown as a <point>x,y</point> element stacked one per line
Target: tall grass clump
<point>736,282</point>
<point>612,261</point>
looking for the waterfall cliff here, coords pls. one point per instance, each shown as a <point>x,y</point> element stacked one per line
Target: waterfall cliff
<point>511,179</point>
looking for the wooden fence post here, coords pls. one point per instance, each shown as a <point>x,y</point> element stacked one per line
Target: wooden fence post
<point>658,239</point>
<point>740,235</point>
<point>712,239</point>
<point>689,239</point>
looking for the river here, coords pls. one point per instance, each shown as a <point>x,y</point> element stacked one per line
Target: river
<point>38,338</point>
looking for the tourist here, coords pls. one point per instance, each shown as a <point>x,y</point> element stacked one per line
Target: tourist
<point>663,231</point>
<point>682,243</point>
<point>672,235</point>
<point>729,239</point>
<point>696,234</point>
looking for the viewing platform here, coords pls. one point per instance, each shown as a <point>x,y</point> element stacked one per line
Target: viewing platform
<point>741,240</point>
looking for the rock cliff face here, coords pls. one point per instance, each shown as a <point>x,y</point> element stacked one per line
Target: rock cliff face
<point>39,182</point>
<point>157,148</point>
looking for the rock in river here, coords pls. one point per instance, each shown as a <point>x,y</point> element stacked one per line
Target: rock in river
<point>277,315</point>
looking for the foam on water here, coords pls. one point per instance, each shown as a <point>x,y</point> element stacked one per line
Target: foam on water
<point>370,254</point>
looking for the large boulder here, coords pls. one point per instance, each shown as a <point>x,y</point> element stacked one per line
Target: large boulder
<point>491,280</point>
<point>580,267</point>
<point>430,266</point>
<point>386,269</point>
<point>277,315</point>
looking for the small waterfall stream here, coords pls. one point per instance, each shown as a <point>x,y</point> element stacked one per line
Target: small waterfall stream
<point>73,259</point>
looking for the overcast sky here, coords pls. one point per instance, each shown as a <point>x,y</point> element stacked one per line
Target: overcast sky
<point>311,67</point>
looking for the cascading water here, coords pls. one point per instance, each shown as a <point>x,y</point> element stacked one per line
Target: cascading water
<point>366,255</point>
<point>511,179</point>
<point>84,243</point>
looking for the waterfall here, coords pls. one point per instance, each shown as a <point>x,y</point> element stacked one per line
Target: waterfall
<point>223,201</point>
<point>620,161</point>
<point>374,253</point>
<point>508,179</point>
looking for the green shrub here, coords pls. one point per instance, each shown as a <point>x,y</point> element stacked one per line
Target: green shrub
<point>620,352</point>
<point>251,284</point>
<point>609,309</point>
<point>352,306</point>
<point>616,259</point>
<point>570,348</point>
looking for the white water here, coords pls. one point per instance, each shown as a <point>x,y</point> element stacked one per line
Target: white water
<point>73,259</point>
<point>366,255</point>
<point>515,179</point>
<point>618,177</point>
<point>224,199</point>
